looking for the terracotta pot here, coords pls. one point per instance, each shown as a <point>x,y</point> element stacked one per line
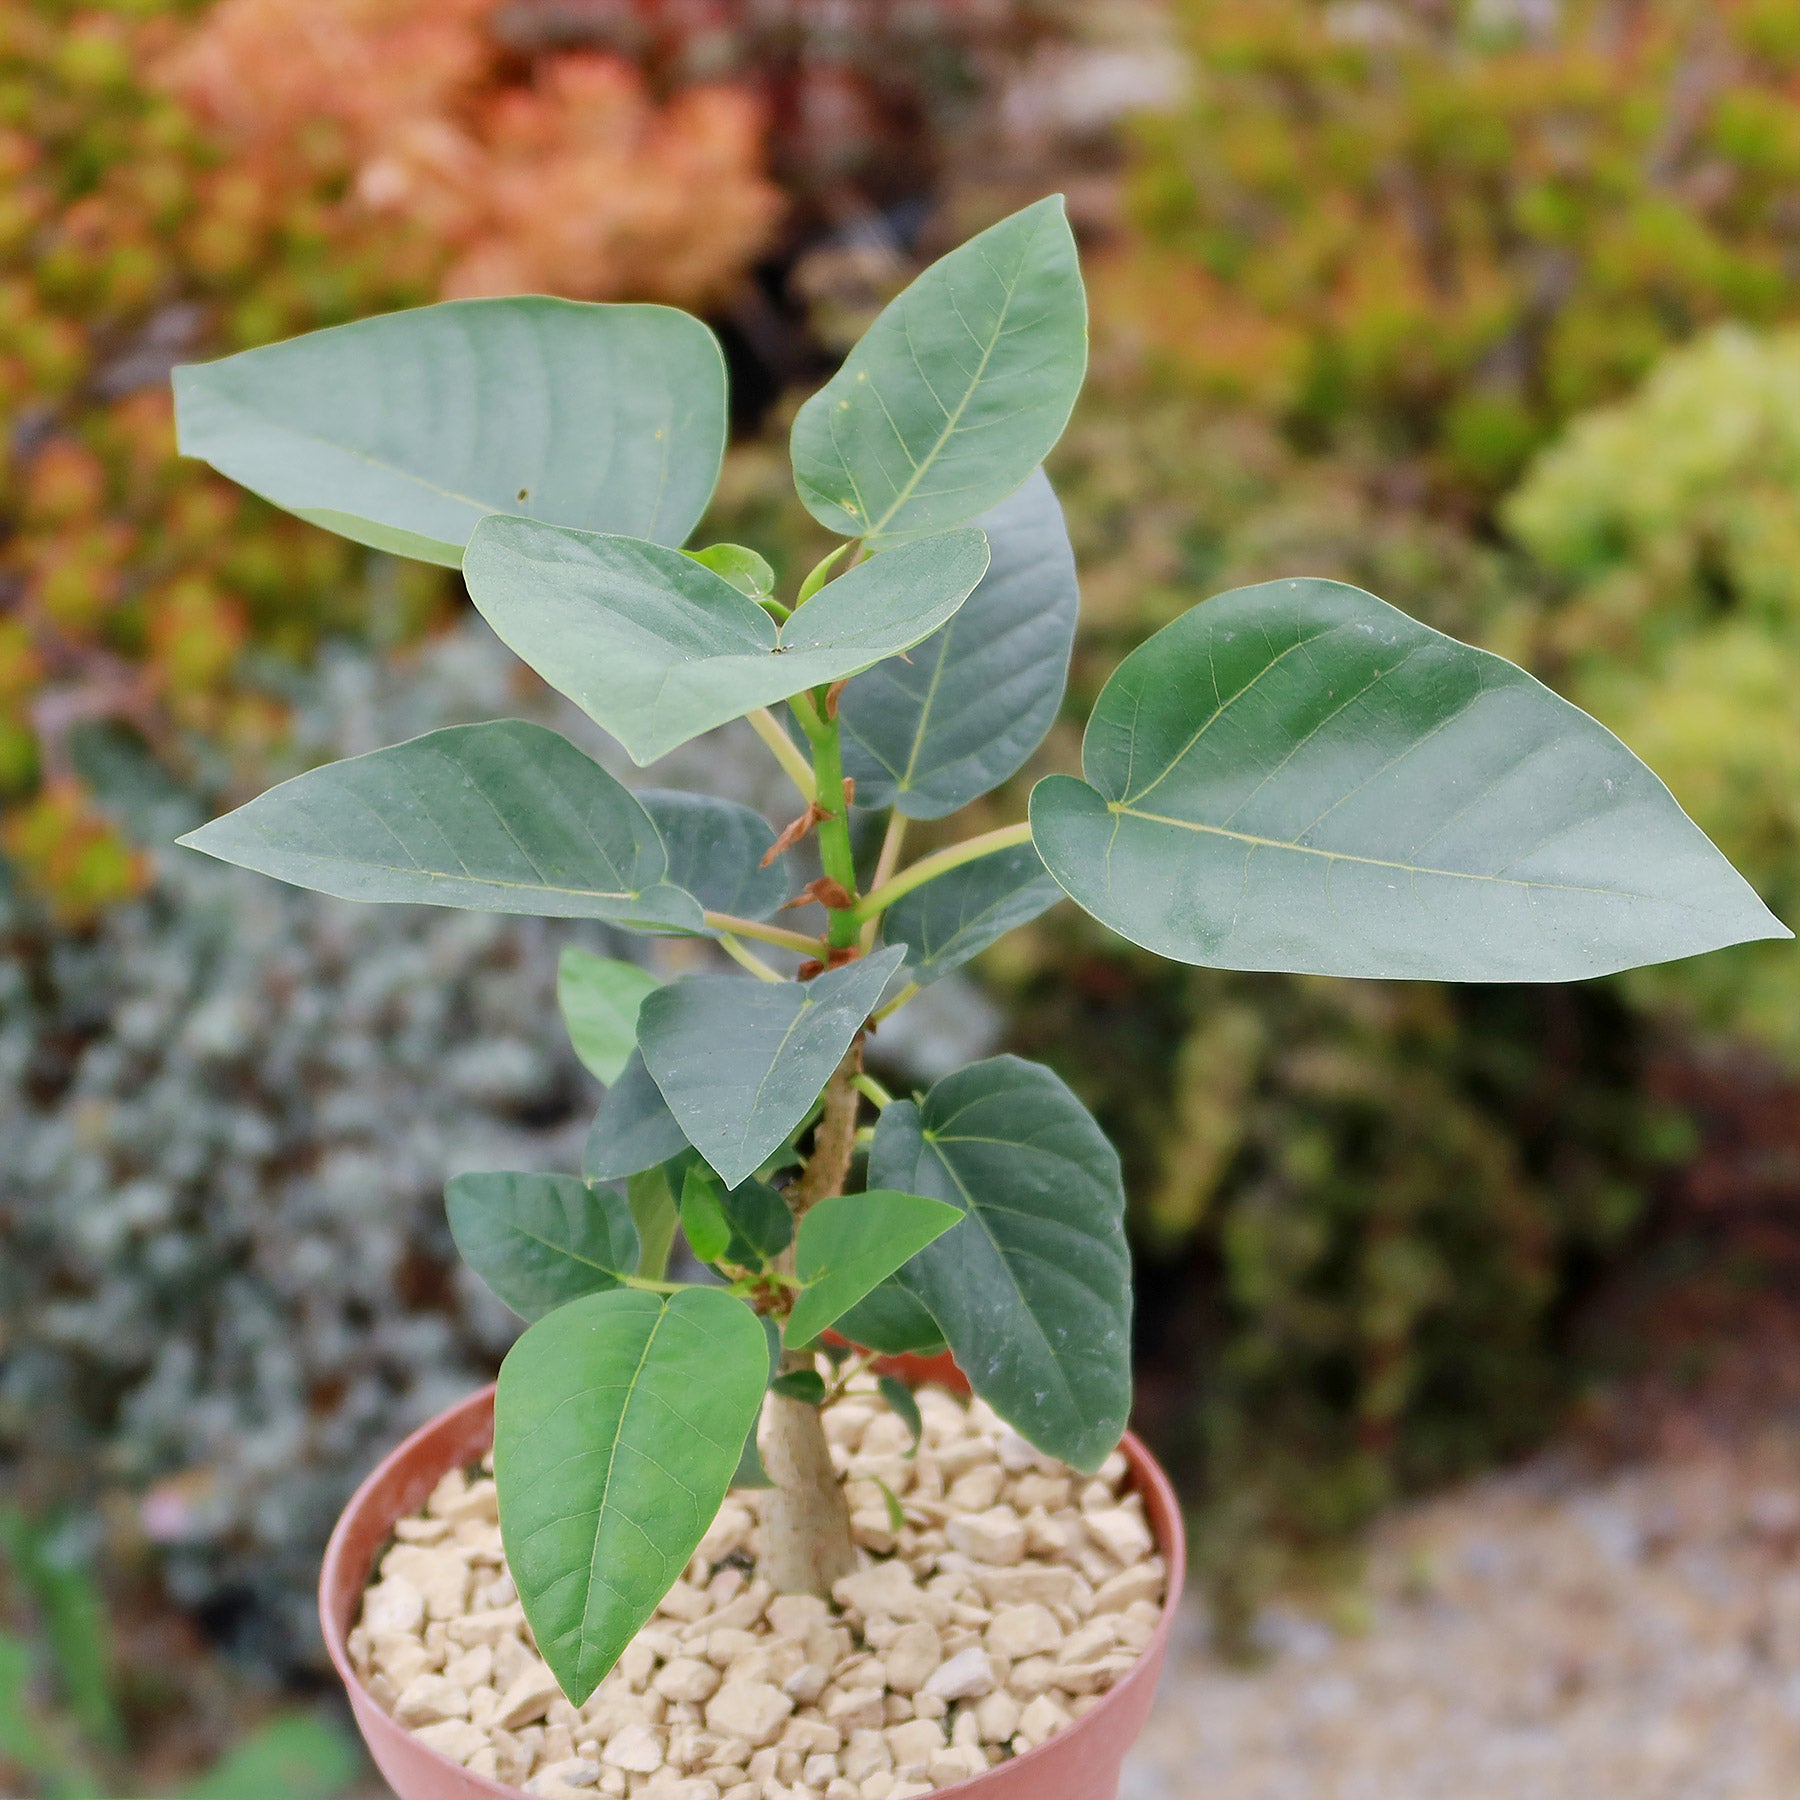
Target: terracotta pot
<point>1081,1763</point>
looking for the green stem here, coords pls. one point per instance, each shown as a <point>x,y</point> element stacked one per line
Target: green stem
<point>835,855</point>
<point>872,1089</point>
<point>783,749</point>
<point>746,959</point>
<point>653,1287</point>
<point>767,934</point>
<point>940,862</point>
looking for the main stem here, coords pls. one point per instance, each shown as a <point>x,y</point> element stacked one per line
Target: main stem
<point>807,1545</point>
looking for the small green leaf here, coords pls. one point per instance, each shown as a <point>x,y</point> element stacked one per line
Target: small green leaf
<point>805,1385</point>
<point>539,1240</point>
<point>894,1320</point>
<point>656,649</point>
<point>850,1242</point>
<point>1296,776</point>
<point>955,917</point>
<point>1033,1288</point>
<point>703,1216</point>
<point>404,431</point>
<point>932,730</point>
<point>746,571</point>
<point>295,1757</point>
<point>651,1198</point>
<point>956,392</point>
<point>506,817</point>
<point>715,850</point>
<point>740,1062</point>
<point>756,1220</point>
<point>633,1130</point>
<point>599,997</point>
<point>619,1423</point>
<point>903,1406</point>
<point>750,1470</point>
<point>895,1512</point>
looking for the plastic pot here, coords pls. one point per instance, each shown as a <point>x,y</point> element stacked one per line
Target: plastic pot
<point>1082,1762</point>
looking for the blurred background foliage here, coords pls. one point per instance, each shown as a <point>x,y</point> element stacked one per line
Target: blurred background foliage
<point>1478,303</point>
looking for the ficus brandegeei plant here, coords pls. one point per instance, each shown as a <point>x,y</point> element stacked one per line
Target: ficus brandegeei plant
<point>1292,776</point>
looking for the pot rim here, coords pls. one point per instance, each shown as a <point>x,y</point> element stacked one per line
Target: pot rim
<point>1159,1499</point>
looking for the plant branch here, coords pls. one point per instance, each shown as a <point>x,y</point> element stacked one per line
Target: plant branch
<point>767,934</point>
<point>747,959</point>
<point>940,862</point>
<point>783,748</point>
<point>872,1089</point>
<point>898,1001</point>
<point>835,854</point>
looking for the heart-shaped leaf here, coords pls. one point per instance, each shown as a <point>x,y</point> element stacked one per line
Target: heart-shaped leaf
<point>1297,776</point>
<point>957,916</point>
<point>893,1319</point>
<point>715,850</point>
<point>956,392</point>
<point>539,1240</point>
<point>403,431</point>
<point>1033,1289</point>
<point>599,997</point>
<point>656,648</point>
<point>959,713</point>
<point>506,817</point>
<point>850,1242</point>
<point>740,1061</point>
<point>618,1424</point>
<point>634,1129</point>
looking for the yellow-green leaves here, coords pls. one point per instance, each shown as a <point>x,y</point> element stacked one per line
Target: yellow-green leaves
<point>656,648</point>
<point>618,1424</point>
<point>506,817</point>
<point>1297,776</point>
<point>849,1243</point>
<point>404,431</point>
<point>956,392</point>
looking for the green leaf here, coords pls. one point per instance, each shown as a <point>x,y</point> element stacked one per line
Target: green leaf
<point>506,817</point>
<point>539,1240</point>
<point>703,1218</point>
<point>296,1757</point>
<point>1296,776</point>
<point>850,1242</point>
<point>650,1195</point>
<point>618,1424</point>
<point>904,1407</point>
<point>599,997</point>
<point>1033,1289</point>
<point>935,729</point>
<point>805,1385</point>
<point>741,1061</point>
<point>893,1320</point>
<point>743,568</point>
<point>956,392</point>
<point>715,850</point>
<point>896,1513</point>
<point>633,1130</point>
<point>957,915</point>
<point>405,431</point>
<point>656,649</point>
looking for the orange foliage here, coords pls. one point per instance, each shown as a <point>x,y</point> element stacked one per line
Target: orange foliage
<point>564,175</point>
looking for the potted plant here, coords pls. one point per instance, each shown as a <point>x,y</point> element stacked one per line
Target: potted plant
<point>1291,776</point>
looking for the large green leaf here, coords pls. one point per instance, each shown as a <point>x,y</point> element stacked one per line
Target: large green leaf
<point>619,1421</point>
<point>891,1318</point>
<point>634,1129</point>
<point>1033,1289</point>
<point>656,648</point>
<point>506,817</point>
<point>933,730</point>
<point>404,431</point>
<point>956,392</point>
<point>715,850</point>
<point>741,1061</point>
<point>538,1240</point>
<point>849,1243</point>
<point>1296,776</point>
<point>599,997</point>
<point>957,916</point>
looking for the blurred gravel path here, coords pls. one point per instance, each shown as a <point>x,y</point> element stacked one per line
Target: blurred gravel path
<point>1555,1633</point>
